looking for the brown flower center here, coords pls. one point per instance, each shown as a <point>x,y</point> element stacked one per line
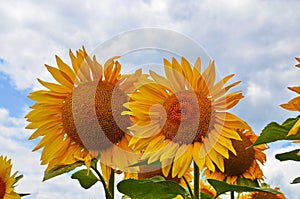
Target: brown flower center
<point>93,119</point>
<point>261,195</point>
<point>2,189</point>
<point>238,164</point>
<point>188,116</point>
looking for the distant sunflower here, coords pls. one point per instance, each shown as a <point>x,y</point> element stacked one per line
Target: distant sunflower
<point>261,195</point>
<point>243,164</point>
<point>7,180</point>
<point>294,105</point>
<point>183,117</point>
<point>81,114</point>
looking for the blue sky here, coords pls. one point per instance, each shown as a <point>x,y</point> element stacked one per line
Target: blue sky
<point>255,40</point>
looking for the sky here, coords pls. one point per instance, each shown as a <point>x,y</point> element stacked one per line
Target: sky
<point>257,40</point>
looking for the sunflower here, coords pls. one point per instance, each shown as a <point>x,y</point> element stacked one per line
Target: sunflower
<point>6,180</point>
<point>183,117</point>
<point>261,195</point>
<point>80,115</point>
<point>294,105</point>
<point>243,164</point>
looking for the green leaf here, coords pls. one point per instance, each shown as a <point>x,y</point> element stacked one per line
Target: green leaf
<point>19,177</point>
<point>86,180</point>
<point>292,155</point>
<point>275,132</point>
<point>152,188</point>
<point>247,182</point>
<point>61,169</point>
<point>296,180</point>
<point>94,163</point>
<point>222,187</point>
<point>23,194</point>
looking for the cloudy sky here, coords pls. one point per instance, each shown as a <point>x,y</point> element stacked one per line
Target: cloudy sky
<point>255,40</point>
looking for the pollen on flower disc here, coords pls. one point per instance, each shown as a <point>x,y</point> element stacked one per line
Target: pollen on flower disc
<point>188,116</point>
<point>95,132</point>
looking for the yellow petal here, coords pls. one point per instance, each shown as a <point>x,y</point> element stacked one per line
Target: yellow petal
<point>294,130</point>
<point>196,155</point>
<point>210,75</point>
<point>55,87</point>
<point>181,154</point>
<point>185,161</point>
<point>65,68</point>
<point>226,132</point>
<point>60,77</point>
<point>160,79</point>
<point>187,68</point>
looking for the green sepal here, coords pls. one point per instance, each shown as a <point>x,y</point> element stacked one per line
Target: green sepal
<point>86,178</point>
<point>247,182</point>
<point>61,169</point>
<point>19,177</point>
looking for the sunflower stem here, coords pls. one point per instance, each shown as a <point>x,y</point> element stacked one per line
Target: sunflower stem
<point>232,195</point>
<point>189,187</point>
<point>196,181</point>
<point>107,193</point>
<point>111,185</point>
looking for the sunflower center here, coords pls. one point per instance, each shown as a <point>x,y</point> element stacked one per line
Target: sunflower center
<point>188,116</point>
<point>98,122</point>
<point>261,195</point>
<point>238,164</point>
<point>2,189</point>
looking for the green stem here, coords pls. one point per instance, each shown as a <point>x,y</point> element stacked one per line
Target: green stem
<point>111,185</point>
<point>107,193</point>
<point>189,187</point>
<point>196,181</point>
<point>232,194</point>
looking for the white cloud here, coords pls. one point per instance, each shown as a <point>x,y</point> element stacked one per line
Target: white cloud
<point>281,174</point>
<point>257,95</point>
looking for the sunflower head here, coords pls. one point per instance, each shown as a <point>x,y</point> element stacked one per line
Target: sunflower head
<point>80,114</point>
<point>7,180</point>
<point>183,116</point>
<point>243,164</point>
